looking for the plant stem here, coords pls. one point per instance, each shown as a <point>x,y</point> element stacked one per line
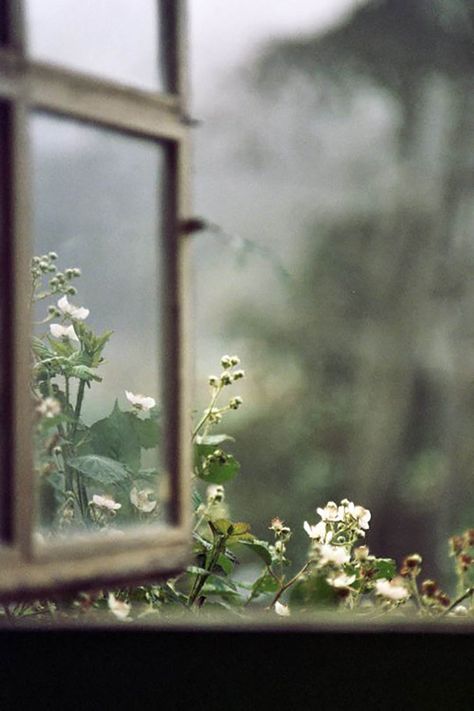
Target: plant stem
<point>468,593</point>
<point>210,563</point>
<point>206,416</point>
<point>284,587</point>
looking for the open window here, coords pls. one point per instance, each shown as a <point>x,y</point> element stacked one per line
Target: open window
<point>95,436</point>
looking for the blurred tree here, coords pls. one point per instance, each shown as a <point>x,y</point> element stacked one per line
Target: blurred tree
<point>381,403</point>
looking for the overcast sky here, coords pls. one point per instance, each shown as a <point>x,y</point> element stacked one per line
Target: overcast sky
<point>224,32</point>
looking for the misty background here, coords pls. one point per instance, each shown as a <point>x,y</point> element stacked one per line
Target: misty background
<point>336,154</point>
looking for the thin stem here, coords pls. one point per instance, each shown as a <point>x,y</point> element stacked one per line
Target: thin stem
<point>468,593</point>
<point>207,414</point>
<point>284,587</point>
<point>210,563</point>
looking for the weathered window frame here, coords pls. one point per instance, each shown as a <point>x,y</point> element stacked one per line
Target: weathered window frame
<point>26,566</point>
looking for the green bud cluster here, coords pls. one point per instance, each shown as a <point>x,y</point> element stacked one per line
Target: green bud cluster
<point>217,457</point>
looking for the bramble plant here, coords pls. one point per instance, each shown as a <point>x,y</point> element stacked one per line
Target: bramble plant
<point>97,482</point>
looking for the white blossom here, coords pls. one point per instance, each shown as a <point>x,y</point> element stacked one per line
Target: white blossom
<point>390,590</point>
<point>49,407</point>
<point>140,402</point>
<point>141,500</point>
<point>105,502</point>
<point>331,512</point>
<point>317,532</point>
<point>66,333</point>
<point>335,555</point>
<point>120,609</point>
<point>282,610</point>
<point>341,580</point>
<point>77,312</point>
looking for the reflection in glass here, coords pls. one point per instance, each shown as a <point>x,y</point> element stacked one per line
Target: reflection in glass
<point>115,39</point>
<point>96,314</point>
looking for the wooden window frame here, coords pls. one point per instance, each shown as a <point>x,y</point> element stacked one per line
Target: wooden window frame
<point>28,567</point>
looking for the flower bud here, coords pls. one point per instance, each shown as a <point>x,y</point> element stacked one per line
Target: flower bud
<point>71,290</point>
<point>226,361</point>
<point>226,378</point>
<point>43,265</point>
<point>238,374</point>
<point>361,553</point>
<point>234,360</point>
<point>429,588</point>
<point>213,381</point>
<point>52,256</point>
<point>76,272</point>
<point>235,403</point>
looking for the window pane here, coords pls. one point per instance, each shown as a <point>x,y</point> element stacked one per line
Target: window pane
<point>115,39</point>
<point>97,206</point>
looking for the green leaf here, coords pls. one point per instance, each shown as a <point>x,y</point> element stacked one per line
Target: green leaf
<point>83,372</point>
<point>100,469</point>
<point>121,436</point>
<point>260,548</point>
<point>384,568</point>
<point>215,472</point>
<point>196,499</point>
<point>147,431</point>
<point>222,526</point>
<point>264,585</point>
<point>314,590</point>
<point>226,564</point>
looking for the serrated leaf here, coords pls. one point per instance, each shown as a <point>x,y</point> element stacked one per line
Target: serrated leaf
<point>99,469</point>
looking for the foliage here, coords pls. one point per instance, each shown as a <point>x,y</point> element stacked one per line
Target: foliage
<point>97,481</point>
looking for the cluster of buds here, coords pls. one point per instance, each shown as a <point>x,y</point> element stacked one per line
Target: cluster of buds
<point>461,549</point>
<point>229,375</point>
<point>60,282</point>
<point>282,534</point>
<point>411,566</point>
<point>218,456</point>
<point>432,595</point>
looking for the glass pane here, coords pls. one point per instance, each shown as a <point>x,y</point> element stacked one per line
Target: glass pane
<point>96,379</point>
<point>114,39</point>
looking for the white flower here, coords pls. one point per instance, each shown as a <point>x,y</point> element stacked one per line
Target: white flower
<point>390,590</point>
<point>363,516</point>
<point>341,580</point>
<point>330,512</point>
<point>140,402</point>
<point>282,610</point>
<point>317,532</point>
<point>105,502</point>
<point>141,501</point>
<point>49,407</point>
<point>335,555</point>
<point>358,513</point>
<point>120,608</point>
<point>67,333</point>
<point>77,312</point>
